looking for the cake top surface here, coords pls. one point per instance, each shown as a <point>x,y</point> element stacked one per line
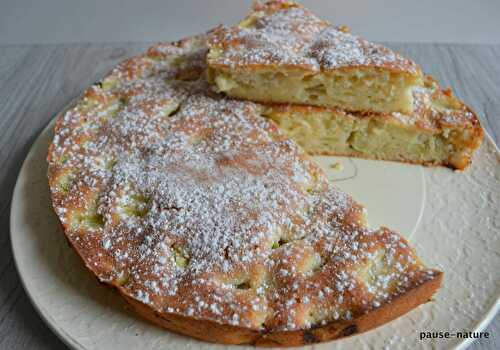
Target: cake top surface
<point>286,34</point>
<point>194,204</point>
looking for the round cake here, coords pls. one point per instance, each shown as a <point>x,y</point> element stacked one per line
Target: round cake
<point>211,222</point>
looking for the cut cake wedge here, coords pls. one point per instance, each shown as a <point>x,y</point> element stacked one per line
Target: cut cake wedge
<point>283,53</point>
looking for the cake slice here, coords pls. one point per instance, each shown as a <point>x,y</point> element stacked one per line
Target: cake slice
<point>337,94</point>
<point>283,53</point>
<point>211,222</point>
<point>440,131</point>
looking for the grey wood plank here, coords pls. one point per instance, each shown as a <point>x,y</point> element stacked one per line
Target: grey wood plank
<point>36,81</point>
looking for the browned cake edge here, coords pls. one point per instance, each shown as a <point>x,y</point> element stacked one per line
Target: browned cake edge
<point>214,332</point>
<point>218,333</point>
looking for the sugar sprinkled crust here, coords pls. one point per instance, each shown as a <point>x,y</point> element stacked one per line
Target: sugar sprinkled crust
<point>200,211</point>
<point>286,33</point>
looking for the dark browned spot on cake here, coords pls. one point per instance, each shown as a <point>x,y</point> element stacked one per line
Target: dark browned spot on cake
<point>349,330</point>
<point>310,338</point>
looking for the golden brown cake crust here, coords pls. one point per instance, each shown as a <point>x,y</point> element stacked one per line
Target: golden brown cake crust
<point>216,333</point>
<point>209,221</point>
<point>285,33</point>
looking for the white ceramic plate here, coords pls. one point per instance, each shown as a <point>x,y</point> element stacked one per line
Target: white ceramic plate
<point>451,218</point>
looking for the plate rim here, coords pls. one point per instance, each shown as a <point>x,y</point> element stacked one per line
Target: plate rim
<point>44,315</point>
<point>74,344</point>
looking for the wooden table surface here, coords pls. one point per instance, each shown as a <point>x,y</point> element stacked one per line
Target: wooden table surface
<point>37,81</point>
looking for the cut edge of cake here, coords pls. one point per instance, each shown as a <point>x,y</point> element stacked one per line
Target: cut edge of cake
<point>442,130</point>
